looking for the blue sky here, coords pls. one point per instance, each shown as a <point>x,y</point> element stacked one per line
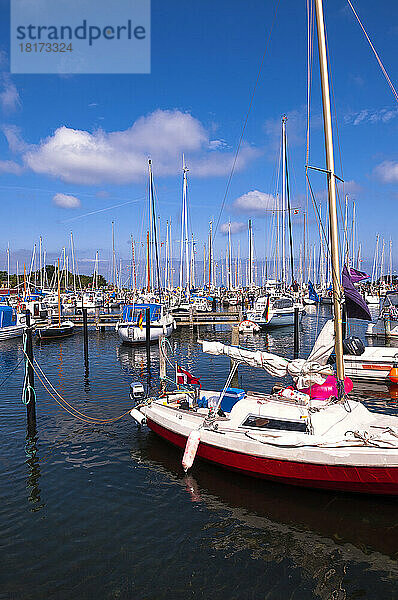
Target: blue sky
<point>88,136</point>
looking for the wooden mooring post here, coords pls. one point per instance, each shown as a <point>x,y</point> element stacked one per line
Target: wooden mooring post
<point>30,396</point>
<point>85,337</point>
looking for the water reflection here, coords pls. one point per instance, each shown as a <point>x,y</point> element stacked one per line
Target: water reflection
<point>33,471</point>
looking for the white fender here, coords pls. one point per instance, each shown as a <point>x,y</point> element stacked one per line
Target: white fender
<point>191,449</point>
<point>138,416</point>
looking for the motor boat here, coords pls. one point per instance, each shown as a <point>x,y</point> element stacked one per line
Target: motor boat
<point>12,324</point>
<point>271,311</point>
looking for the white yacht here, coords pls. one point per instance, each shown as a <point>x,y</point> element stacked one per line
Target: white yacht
<point>272,311</point>
<point>132,328</point>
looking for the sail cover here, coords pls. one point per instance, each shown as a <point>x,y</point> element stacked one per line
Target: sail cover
<point>305,372</point>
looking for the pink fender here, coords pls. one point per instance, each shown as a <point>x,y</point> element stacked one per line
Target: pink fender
<point>328,388</point>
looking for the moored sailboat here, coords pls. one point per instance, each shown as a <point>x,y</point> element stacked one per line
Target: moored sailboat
<point>334,443</point>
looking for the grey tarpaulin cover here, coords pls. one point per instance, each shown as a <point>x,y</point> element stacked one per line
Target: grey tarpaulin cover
<point>305,372</point>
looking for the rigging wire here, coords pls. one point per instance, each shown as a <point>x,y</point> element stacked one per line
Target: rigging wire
<point>391,85</point>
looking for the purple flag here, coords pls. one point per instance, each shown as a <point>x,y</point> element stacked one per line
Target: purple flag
<point>356,306</point>
<point>357,275</point>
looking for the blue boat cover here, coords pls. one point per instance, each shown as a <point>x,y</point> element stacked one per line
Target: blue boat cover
<point>8,316</point>
<point>131,312</point>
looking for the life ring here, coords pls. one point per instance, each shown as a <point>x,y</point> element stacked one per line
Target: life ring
<point>247,325</point>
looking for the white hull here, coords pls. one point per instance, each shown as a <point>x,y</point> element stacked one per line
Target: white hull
<point>132,334</point>
<point>332,457</point>
<point>373,365</point>
<point>13,331</point>
<point>372,300</point>
<point>279,318</point>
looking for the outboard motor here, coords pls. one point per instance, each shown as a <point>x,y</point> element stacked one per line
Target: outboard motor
<point>354,346</point>
<point>137,392</point>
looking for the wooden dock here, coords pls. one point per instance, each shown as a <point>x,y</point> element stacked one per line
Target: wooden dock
<point>193,319</point>
<point>182,319</point>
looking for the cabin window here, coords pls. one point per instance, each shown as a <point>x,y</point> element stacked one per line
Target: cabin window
<point>283,303</point>
<point>391,300</point>
<point>260,422</point>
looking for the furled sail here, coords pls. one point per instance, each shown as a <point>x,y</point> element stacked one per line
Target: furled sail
<point>305,372</point>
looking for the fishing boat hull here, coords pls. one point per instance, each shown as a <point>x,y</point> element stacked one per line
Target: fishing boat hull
<point>339,477</point>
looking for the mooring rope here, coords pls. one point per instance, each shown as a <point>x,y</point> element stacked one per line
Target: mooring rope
<point>62,402</point>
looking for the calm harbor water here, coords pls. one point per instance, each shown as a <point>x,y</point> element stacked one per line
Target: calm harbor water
<point>105,511</point>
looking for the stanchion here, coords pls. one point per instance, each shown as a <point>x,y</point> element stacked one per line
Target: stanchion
<point>234,342</point>
<point>162,361</point>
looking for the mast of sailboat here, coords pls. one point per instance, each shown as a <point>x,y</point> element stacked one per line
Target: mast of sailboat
<point>40,264</point>
<point>375,259</point>
<point>347,248</point>
<point>186,242</point>
<point>59,298</point>
<point>166,262</point>
<point>113,257</point>
<point>283,200</point>
<point>229,257</point>
<point>359,256</point>
<point>8,266</point>
<point>148,267</point>
<point>390,262</point>
<point>192,270</point>
<point>353,233</point>
<point>171,273</point>
<point>250,272</point>
<point>210,253</point>
<point>333,226</point>
<point>72,249</point>
<point>289,212</point>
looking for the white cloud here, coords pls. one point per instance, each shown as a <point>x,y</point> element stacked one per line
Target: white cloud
<point>367,115</point>
<point>236,227</point>
<point>78,156</point>
<point>9,166</point>
<point>387,171</point>
<point>66,201</point>
<point>14,138</point>
<point>255,202</point>
<point>352,187</point>
<point>9,96</point>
